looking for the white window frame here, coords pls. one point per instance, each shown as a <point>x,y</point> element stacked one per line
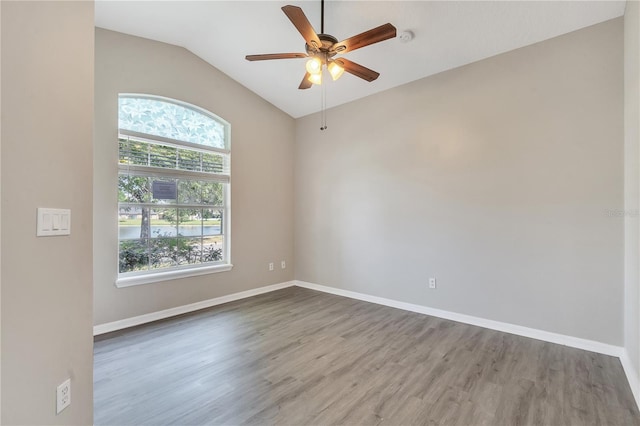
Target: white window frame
<point>127,279</point>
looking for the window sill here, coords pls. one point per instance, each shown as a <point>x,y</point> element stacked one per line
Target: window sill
<point>170,275</point>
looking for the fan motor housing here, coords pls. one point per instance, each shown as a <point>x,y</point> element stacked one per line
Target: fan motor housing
<point>327,42</point>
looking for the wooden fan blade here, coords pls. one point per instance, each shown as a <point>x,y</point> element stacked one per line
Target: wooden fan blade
<point>302,24</point>
<point>357,69</point>
<point>305,83</point>
<point>275,56</point>
<point>381,33</point>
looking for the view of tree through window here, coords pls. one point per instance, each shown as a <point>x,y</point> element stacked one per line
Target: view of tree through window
<point>172,192</point>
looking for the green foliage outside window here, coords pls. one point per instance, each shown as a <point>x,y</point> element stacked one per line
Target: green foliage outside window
<point>137,255</point>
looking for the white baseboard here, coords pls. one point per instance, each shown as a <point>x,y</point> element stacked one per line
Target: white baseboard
<point>575,342</point>
<point>547,336</point>
<point>632,375</point>
<point>533,333</point>
<point>154,316</point>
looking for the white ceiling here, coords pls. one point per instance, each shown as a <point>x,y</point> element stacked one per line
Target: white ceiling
<point>448,34</point>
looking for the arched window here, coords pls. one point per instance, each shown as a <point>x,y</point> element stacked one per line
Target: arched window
<point>173,190</point>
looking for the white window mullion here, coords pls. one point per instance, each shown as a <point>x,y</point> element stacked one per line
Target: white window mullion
<point>159,172</point>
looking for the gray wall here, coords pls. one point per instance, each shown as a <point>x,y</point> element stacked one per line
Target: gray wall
<point>47,106</point>
<point>632,183</point>
<point>0,213</point>
<point>262,139</point>
<point>495,177</point>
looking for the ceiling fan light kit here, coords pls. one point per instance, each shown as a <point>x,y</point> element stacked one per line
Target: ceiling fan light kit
<point>314,65</point>
<point>321,49</point>
<point>335,70</point>
<point>315,78</point>
<point>314,68</point>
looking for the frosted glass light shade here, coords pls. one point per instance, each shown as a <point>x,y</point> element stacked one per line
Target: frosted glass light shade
<point>315,78</point>
<point>314,66</point>
<point>335,70</point>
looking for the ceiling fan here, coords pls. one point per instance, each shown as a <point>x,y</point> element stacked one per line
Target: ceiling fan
<point>322,48</point>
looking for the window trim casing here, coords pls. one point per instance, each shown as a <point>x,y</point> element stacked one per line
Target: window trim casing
<point>172,274</point>
<point>133,278</point>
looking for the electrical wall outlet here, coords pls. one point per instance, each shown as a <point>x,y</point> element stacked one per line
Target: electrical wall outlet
<point>63,393</point>
<point>271,266</point>
<point>283,264</point>
<point>432,283</point>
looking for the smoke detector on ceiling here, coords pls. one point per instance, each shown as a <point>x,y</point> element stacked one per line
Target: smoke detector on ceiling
<point>405,36</point>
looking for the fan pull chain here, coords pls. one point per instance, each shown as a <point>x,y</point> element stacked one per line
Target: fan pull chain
<point>323,108</point>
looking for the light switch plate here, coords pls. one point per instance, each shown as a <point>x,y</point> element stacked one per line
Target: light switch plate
<point>52,222</point>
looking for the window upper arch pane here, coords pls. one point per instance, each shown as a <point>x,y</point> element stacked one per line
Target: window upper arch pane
<point>158,116</point>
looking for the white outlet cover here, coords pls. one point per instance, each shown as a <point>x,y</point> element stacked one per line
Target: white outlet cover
<point>63,393</point>
<point>432,283</point>
<point>283,264</point>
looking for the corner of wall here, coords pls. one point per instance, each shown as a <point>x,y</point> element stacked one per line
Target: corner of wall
<point>632,375</point>
<point>631,358</point>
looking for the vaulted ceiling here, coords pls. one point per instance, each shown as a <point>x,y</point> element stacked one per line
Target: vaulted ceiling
<point>448,34</point>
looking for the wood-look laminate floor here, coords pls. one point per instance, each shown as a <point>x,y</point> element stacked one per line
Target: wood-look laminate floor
<point>297,356</point>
